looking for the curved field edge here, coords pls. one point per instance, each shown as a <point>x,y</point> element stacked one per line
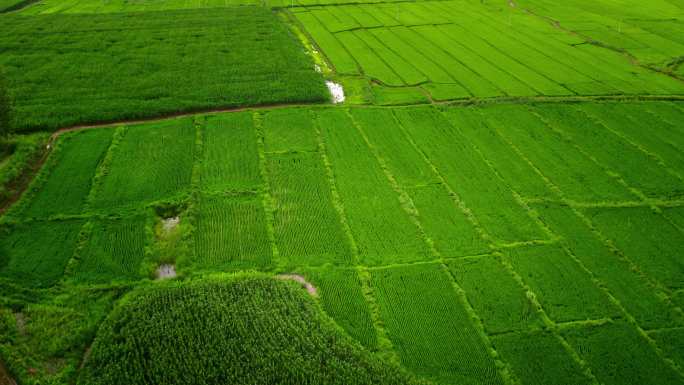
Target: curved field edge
<point>245,328</point>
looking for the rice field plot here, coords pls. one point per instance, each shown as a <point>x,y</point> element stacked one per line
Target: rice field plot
<point>429,327</point>
<point>636,167</point>
<point>459,49</point>
<point>35,254</point>
<point>163,157</point>
<point>634,292</point>
<point>382,229</point>
<point>617,354</point>
<point>75,159</point>
<point>509,164</point>
<point>66,69</point>
<point>469,175</point>
<point>539,358</point>
<point>289,130</point>
<point>574,174</point>
<point>230,234</point>
<point>450,230</point>
<point>230,160</point>
<point>651,242</point>
<point>651,31</point>
<point>113,252</point>
<point>343,300</point>
<point>565,291</point>
<point>669,340</point>
<point>501,303</point>
<point>308,230</point>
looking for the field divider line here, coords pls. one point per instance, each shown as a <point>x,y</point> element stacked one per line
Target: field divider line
<point>654,156</point>
<point>405,200</point>
<point>607,204</point>
<point>267,199</point>
<point>385,346</point>
<point>103,169</point>
<point>548,322</point>
<point>336,198</point>
<point>196,194</point>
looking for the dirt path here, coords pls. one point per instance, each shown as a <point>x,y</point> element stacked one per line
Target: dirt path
<point>298,278</point>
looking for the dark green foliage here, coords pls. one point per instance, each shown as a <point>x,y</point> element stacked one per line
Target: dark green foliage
<point>5,108</point>
<point>18,155</point>
<point>35,254</point>
<point>249,330</point>
<point>69,69</point>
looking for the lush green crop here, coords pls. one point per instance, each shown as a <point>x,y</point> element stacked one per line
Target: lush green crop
<point>250,330</point>
<point>617,354</point>
<point>35,254</point>
<point>343,299</point>
<point>114,251</point>
<point>229,159</point>
<point>498,299</point>
<point>76,158</point>
<point>230,233</point>
<point>564,290</point>
<point>69,69</point>
<point>459,49</point>
<point>538,358</point>
<point>430,329</point>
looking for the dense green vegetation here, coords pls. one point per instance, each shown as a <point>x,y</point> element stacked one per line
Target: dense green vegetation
<point>68,69</point>
<point>247,330</point>
<point>410,223</point>
<point>498,200</point>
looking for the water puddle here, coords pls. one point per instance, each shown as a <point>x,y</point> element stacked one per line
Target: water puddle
<point>165,271</point>
<point>336,91</point>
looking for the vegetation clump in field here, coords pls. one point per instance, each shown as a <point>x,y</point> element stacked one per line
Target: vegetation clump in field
<point>243,329</point>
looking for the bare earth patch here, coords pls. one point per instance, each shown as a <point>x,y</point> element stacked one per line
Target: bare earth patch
<point>336,91</point>
<point>170,223</point>
<point>296,277</point>
<point>165,271</point>
<point>5,378</point>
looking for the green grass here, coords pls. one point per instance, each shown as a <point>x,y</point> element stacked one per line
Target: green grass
<point>190,333</point>
<point>70,69</point>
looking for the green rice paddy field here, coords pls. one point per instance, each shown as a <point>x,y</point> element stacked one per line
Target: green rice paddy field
<point>499,199</point>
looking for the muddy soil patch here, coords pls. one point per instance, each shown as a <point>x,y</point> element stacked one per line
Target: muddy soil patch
<point>165,271</point>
